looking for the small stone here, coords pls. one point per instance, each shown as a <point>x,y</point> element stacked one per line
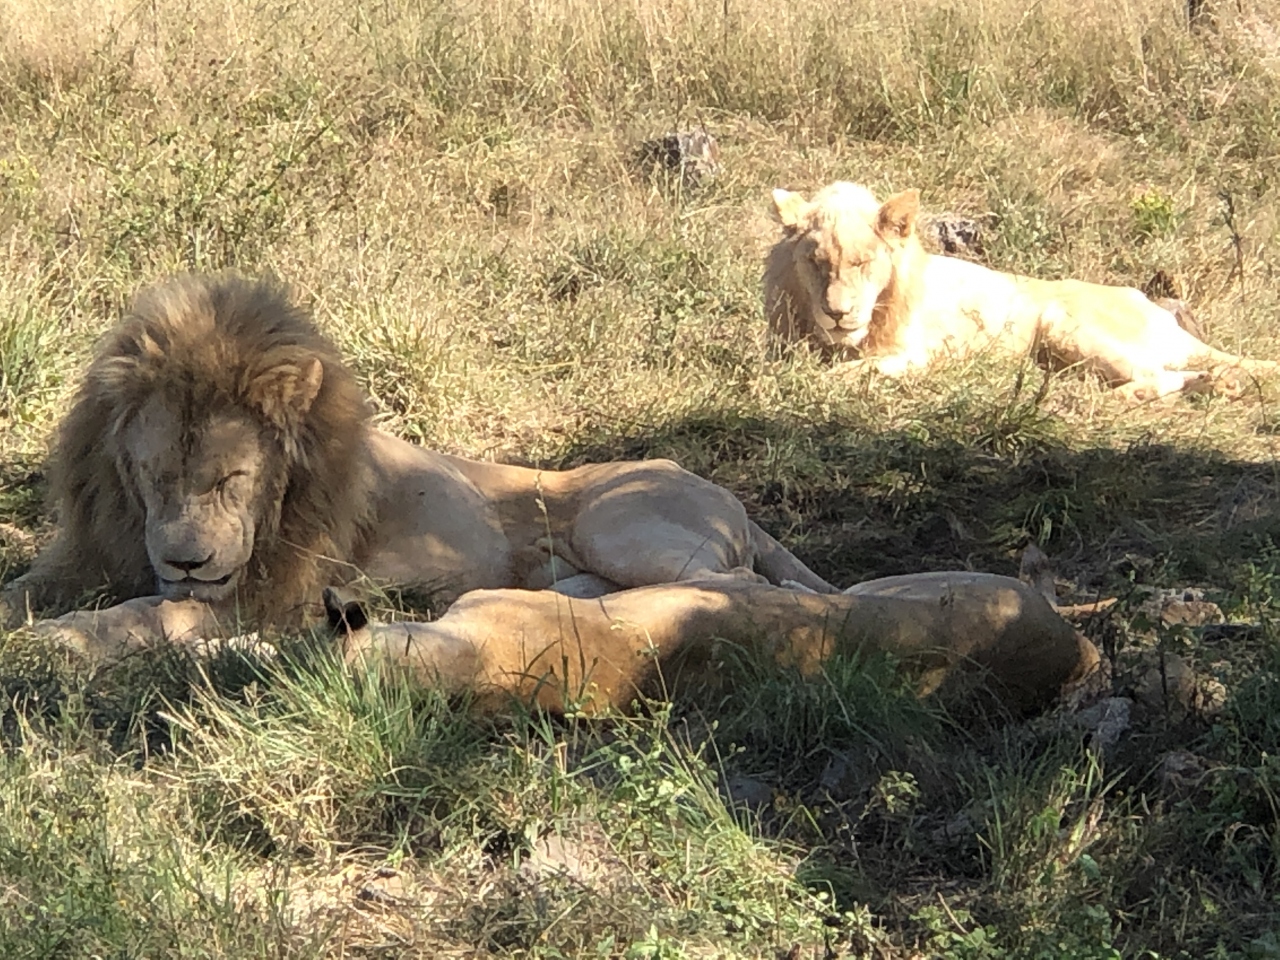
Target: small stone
<point>1210,698</point>
<point>692,155</point>
<point>956,830</point>
<point>1106,722</point>
<point>1190,613</point>
<point>846,775</point>
<point>748,792</point>
<point>384,886</point>
<point>953,234</point>
<point>1168,685</point>
<point>1180,771</point>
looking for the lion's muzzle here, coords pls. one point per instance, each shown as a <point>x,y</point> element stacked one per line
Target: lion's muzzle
<point>197,589</point>
<point>198,550</point>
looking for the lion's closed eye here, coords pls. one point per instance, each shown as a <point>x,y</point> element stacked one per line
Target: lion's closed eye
<point>228,481</point>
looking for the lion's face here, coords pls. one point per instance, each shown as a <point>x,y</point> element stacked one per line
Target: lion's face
<point>845,245</point>
<point>215,449</point>
<point>205,484</point>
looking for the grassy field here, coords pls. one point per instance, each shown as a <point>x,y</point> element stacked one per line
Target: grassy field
<point>451,183</point>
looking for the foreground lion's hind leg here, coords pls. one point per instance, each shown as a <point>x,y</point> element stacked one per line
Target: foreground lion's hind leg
<point>782,567</point>
<point>652,522</point>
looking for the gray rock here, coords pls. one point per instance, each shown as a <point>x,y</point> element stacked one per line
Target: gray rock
<point>1106,722</point>
<point>952,233</point>
<point>692,157</point>
<point>746,791</point>
<point>847,775</point>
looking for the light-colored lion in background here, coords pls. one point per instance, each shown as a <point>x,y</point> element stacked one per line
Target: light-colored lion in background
<point>851,277</point>
<point>218,468</point>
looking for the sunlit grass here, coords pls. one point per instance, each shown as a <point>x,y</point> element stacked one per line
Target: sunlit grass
<point>453,186</point>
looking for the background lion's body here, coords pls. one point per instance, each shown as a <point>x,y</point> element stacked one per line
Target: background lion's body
<point>928,306</point>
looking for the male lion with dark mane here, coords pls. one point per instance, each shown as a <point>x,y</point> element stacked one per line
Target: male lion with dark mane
<point>851,277</point>
<point>218,468</point>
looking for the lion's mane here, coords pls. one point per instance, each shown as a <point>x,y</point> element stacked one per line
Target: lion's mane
<point>206,344</point>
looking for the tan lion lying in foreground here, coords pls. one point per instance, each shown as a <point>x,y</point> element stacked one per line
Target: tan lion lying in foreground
<point>218,469</point>
<point>850,276</point>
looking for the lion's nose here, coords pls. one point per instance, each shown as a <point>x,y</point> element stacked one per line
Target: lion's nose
<point>834,314</point>
<point>189,566</point>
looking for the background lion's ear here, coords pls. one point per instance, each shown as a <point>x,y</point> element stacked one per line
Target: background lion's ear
<point>788,207</point>
<point>287,390</point>
<point>897,217</point>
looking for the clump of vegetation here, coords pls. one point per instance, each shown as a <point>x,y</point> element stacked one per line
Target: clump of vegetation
<point>453,184</point>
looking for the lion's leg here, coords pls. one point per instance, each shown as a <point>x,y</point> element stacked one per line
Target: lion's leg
<point>1132,374</point>
<point>893,365</point>
<point>113,632</point>
<point>658,550</point>
<point>1231,374</point>
<point>1157,385</point>
<point>656,523</point>
<point>1177,357</point>
<point>1201,354</point>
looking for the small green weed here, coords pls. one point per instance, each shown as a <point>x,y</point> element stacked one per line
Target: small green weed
<point>1154,215</point>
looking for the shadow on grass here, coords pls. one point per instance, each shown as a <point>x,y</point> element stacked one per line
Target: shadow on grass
<point>857,505</point>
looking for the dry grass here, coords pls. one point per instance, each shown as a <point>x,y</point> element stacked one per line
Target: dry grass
<point>451,183</point>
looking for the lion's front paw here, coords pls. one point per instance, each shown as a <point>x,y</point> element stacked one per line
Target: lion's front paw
<point>69,636</point>
<point>895,366</point>
<point>1164,385</point>
<point>1232,384</point>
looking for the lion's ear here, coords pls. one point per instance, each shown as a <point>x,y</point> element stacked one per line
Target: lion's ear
<point>288,389</point>
<point>346,616</point>
<point>788,207</point>
<point>897,216</point>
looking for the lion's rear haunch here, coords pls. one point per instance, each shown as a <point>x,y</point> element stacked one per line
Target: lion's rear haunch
<point>195,349</point>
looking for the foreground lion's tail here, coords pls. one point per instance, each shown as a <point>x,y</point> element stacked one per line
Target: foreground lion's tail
<point>1252,364</point>
<point>777,563</point>
<point>1208,356</point>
